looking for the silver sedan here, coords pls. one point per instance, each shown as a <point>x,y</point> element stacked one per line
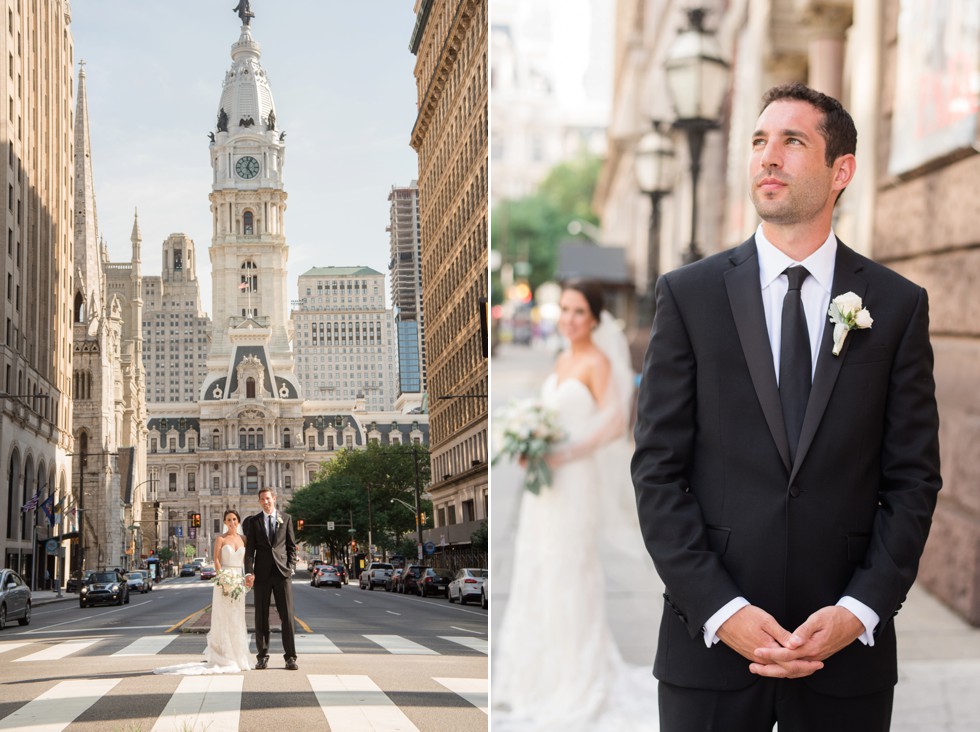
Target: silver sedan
<point>15,599</point>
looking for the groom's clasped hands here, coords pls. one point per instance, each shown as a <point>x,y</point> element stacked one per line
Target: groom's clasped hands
<point>776,652</point>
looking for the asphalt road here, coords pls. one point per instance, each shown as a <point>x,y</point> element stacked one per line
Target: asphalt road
<point>368,660</point>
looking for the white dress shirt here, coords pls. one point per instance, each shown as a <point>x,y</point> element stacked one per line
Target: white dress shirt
<point>815,295</point>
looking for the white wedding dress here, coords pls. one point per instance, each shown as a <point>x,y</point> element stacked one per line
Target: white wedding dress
<point>556,665</point>
<point>227,651</point>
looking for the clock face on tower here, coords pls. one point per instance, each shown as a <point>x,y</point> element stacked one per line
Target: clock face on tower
<point>247,167</point>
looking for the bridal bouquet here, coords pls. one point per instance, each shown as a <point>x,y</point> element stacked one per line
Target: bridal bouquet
<point>530,431</point>
<point>232,584</point>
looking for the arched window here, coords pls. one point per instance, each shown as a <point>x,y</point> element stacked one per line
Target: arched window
<point>252,479</point>
<point>248,223</point>
<point>251,439</point>
<point>286,438</point>
<point>249,278</point>
<point>79,308</point>
<point>241,438</point>
<point>259,439</point>
<point>215,439</point>
<point>250,388</point>
<point>13,478</point>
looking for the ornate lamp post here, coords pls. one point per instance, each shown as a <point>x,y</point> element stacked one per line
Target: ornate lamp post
<point>697,80</point>
<point>653,167</point>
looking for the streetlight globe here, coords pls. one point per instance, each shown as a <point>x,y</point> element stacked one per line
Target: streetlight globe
<point>697,75</point>
<point>654,162</point>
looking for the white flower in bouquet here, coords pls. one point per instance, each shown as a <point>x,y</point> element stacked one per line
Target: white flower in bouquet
<point>847,313</point>
<point>530,430</point>
<point>232,584</point>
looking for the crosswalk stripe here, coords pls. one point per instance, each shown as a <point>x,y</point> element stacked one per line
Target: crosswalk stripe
<point>71,699</point>
<point>477,644</point>
<point>148,645</point>
<point>400,646</point>
<point>4,647</point>
<point>211,703</point>
<point>59,650</point>
<point>474,691</point>
<point>355,704</point>
<point>313,644</point>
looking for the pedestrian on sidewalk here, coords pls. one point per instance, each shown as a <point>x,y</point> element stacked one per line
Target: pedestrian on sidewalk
<point>786,467</point>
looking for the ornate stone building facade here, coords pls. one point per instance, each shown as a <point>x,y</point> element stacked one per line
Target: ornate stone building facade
<point>108,389</point>
<point>903,68</point>
<point>251,425</point>
<point>36,270</point>
<point>450,136</point>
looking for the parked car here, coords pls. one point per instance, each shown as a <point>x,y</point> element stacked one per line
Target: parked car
<point>466,585</point>
<point>15,599</point>
<point>104,586</point>
<point>138,581</point>
<point>76,581</point>
<point>391,584</point>
<point>207,572</point>
<point>375,575</point>
<point>198,562</point>
<point>485,593</point>
<point>407,583</point>
<point>434,582</point>
<point>188,570</point>
<point>329,574</point>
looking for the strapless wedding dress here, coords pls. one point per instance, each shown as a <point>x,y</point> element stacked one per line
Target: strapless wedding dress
<point>227,651</point>
<point>556,665</point>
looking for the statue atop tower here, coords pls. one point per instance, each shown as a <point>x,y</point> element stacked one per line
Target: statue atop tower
<point>244,10</point>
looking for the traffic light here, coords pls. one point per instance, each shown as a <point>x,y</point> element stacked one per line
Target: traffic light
<point>299,524</point>
<point>196,520</point>
<point>423,518</point>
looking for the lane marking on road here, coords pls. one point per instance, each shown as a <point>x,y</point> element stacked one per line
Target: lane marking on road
<point>87,617</point>
<point>353,703</point>
<point>181,622</point>
<point>59,651</point>
<point>303,625</point>
<point>358,602</point>
<point>71,699</point>
<point>205,703</point>
<point>149,645</point>
<point>477,644</point>
<point>313,644</point>
<point>467,630</point>
<point>392,612</point>
<point>93,630</point>
<point>472,690</point>
<point>398,645</point>
<point>4,647</point>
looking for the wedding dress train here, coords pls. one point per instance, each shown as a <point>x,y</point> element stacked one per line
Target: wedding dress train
<point>227,651</point>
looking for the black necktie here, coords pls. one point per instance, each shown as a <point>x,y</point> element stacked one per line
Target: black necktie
<point>272,531</point>
<point>794,359</point>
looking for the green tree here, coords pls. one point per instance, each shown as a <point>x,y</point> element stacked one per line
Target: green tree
<point>357,487</point>
<point>528,230</point>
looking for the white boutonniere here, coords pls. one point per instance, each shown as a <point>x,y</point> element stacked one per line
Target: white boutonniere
<point>278,520</point>
<point>847,312</point>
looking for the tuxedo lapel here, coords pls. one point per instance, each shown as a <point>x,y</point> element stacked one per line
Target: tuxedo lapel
<point>745,298</point>
<point>846,279</point>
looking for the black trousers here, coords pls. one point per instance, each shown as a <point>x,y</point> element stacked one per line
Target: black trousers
<point>282,589</point>
<point>790,702</point>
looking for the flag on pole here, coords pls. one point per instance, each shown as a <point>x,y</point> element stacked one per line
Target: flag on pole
<point>31,504</point>
<point>243,286</point>
<point>47,505</point>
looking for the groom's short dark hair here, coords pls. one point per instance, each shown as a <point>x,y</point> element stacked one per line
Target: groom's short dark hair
<point>267,489</point>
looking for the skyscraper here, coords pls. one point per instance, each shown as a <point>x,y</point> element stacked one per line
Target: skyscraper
<point>405,269</point>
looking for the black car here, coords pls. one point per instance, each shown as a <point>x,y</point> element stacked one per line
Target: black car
<point>107,587</point>
<point>434,582</point>
<point>188,570</point>
<point>408,582</point>
<point>76,581</point>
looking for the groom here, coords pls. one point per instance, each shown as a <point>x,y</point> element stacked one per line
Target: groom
<point>786,495</point>
<point>270,557</point>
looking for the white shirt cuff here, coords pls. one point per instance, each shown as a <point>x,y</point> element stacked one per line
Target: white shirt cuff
<point>711,626</point>
<point>868,617</point>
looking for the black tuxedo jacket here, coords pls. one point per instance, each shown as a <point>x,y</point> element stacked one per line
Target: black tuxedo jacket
<point>724,513</point>
<point>269,560</point>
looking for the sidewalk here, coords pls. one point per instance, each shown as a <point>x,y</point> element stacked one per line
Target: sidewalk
<point>939,653</point>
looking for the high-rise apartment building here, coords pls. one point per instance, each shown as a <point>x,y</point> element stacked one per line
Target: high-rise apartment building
<point>405,270</point>
<point>178,332</point>
<point>36,272</point>
<point>344,344</point>
<point>450,136</point>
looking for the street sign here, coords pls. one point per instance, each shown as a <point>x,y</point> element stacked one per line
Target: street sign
<point>429,547</point>
<point>178,530</point>
<point>51,546</point>
<point>330,525</point>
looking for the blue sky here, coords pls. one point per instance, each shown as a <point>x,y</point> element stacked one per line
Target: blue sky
<point>342,80</point>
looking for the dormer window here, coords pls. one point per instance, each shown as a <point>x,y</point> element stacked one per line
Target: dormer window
<point>248,223</point>
<point>250,388</point>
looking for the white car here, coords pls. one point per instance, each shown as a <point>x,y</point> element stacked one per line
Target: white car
<point>467,584</point>
<point>485,593</point>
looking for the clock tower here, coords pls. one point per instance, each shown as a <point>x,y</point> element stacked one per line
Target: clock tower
<point>248,245</point>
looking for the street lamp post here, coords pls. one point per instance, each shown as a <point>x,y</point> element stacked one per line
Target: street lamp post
<point>697,80</point>
<point>654,169</point>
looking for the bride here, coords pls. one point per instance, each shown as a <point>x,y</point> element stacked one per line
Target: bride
<point>557,666</point>
<point>227,651</point>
